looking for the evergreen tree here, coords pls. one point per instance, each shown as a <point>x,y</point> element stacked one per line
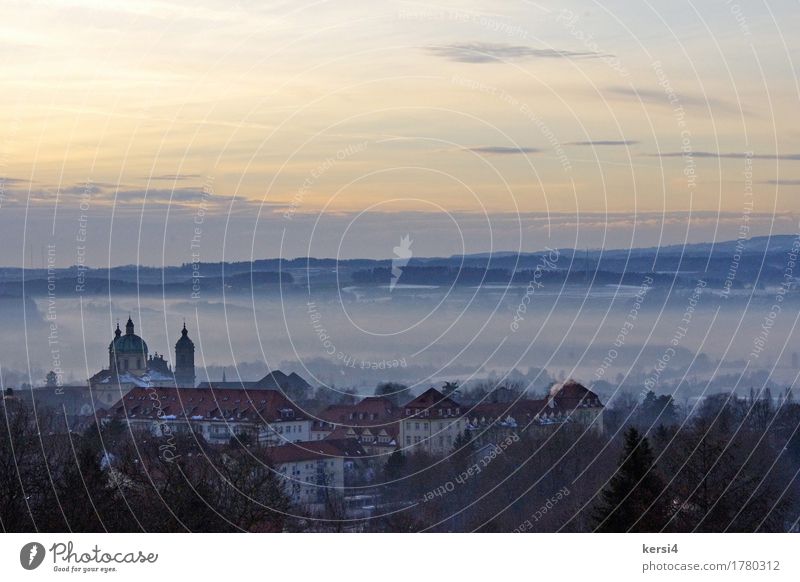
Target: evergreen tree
<point>657,410</point>
<point>394,469</point>
<point>633,500</point>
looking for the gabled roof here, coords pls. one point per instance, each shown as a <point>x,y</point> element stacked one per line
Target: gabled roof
<point>432,399</point>
<point>572,394</point>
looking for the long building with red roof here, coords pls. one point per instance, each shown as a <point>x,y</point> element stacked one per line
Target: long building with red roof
<point>261,416</point>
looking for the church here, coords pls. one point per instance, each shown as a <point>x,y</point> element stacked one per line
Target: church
<point>130,365</point>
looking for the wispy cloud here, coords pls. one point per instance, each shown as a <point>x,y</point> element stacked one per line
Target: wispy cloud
<point>729,155</point>
<point>173,177</point>
<point>481,52</point>
<point>604,142</point>
<point>88,188</point>
<point>782,182</point>
<point>659,97</point>
<point>7,181</point>
<point>503,150</point>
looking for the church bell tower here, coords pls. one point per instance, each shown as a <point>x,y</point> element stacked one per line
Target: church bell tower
<point>184,360</point>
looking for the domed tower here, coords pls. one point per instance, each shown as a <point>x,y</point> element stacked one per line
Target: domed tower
<point>184,360</point>
<point>127,353</point>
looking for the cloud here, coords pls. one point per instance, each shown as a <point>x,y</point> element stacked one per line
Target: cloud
<point>480,52</point>
<point>191,197</point>
<point>503,150</point>
<point>728,155</point>
<point>89,189</point>
<point>167,196</point>
<point>604,142</point>
<point>6,181</point>
<point>660,97</point>
<point>173,177</point>
<point>782,182</point>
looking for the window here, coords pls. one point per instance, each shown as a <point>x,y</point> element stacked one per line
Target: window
<point>416,426</point>
<point>408,440</point>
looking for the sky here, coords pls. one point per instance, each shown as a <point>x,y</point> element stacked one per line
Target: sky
<point>161,132</point>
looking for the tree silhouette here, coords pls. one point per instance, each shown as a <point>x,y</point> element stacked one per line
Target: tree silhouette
<point>632,501</point>
<point>450,389</point>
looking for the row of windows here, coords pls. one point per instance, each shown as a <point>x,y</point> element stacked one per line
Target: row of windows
<point>363,416</point>
<point>439,412</point>
<point>441,425</point>
<point>442,439</point>
<point>289,428</point>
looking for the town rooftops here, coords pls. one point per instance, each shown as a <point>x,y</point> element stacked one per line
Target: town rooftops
<point>562,400</point>
<point>276,380</point>
<point>371,411</point>
<point>170,403</point>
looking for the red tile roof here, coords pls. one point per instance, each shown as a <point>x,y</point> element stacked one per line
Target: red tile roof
<point>432,403</point>
<point>563,399</point>
<point>372,411</point>
<point>206,404</point>
<point>572,394</point>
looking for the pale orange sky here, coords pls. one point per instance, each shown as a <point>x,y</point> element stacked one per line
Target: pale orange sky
<point>392,116</point>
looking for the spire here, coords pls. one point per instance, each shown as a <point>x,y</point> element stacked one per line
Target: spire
<point>117,332</point>
<point>184,360</point>
<point>223,375</point>
<point>129,326</point>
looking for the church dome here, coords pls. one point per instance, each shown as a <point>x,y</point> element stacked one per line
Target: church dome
<point>129,343</point>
